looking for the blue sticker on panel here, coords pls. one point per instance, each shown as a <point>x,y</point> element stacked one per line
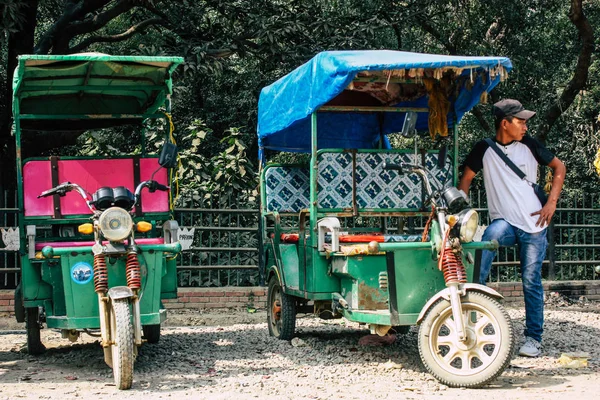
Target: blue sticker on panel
<point>82,273</point>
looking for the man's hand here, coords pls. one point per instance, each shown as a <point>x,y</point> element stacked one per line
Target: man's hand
<point>546,214</point>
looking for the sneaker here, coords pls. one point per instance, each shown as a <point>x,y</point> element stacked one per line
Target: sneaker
<point>531,347</point>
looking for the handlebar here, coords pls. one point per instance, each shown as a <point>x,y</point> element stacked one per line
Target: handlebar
<point>152,186</point>
<point>66,187</point>
<point>413,169</point>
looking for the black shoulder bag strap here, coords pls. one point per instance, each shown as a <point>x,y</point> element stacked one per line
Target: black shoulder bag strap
<point>507,160</point>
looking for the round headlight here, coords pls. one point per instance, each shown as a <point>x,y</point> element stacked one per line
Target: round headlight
<point>468,220</point>
<point>115,224</point>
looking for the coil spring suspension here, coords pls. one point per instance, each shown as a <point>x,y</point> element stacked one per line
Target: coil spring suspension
<point>450,263</point>
<point>132,270</point>
<point>453,267</point>
<point>100,274</point>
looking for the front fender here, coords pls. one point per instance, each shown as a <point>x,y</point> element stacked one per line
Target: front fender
<point>120,292</point>
<point>464,288</point>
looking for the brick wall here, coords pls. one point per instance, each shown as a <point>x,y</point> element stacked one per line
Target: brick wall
<point>227,297</point>
<point>197,298</point>
<point>243,297</point>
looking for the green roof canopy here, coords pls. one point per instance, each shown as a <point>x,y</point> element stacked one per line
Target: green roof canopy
<point>91,89</point>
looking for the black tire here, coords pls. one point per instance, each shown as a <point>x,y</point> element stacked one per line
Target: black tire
<point>489,331</point>
<point>33,327</point>
<point>281,311</point>
<point>151,333</point>
<point>122,346</point>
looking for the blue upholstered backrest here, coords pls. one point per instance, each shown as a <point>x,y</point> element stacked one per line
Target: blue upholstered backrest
<point>288,187</point>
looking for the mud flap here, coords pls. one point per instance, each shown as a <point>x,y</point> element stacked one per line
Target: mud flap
<point>392,296</point>
<point>19,307</point>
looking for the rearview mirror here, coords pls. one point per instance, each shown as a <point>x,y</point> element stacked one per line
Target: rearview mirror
<point>409,125</point>
<point>168,156</point>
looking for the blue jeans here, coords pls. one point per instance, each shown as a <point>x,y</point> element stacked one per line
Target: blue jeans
<point>532,250</point>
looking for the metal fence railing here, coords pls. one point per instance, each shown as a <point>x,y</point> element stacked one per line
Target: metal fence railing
<point>573,238</point>
<point>9,266</point>
<point>224,243</point>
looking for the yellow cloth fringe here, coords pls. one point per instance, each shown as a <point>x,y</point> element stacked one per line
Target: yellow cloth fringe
<point>439,106</point>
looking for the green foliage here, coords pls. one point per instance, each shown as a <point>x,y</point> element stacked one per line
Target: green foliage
<point>233,49</point>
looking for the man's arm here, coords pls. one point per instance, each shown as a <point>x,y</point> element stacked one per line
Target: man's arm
<point>466,179</point>
<point>558,171</point>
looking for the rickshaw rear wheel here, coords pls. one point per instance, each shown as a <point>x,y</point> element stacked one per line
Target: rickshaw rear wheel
<point>33,327</point>
<point>122,347</point>
<point>482,357</point>
<point>151,333</point>
<point>281,311</point>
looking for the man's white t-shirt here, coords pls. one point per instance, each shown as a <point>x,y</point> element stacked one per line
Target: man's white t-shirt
<point>509,197</point>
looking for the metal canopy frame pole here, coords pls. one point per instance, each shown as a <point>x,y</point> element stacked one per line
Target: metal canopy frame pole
<point>314,173</point>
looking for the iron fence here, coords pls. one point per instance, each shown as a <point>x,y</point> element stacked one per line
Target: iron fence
<point>224,241</point>
<point>9,267</point>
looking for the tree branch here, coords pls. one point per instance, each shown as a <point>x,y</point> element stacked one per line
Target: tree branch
<point>115,38</point>
<point>99,20</point>
<point>580,76</point>
<point>427,27</point>
<point>74,10</point>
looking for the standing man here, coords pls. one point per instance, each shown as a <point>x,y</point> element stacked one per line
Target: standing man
<point>516,213</point>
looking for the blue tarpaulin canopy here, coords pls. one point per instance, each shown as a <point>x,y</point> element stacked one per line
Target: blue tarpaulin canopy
<point>367,78</point>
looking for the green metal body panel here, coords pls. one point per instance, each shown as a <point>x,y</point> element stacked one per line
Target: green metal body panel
<point>71,305</point>
<point>291,267</point>
<point>360,281</point>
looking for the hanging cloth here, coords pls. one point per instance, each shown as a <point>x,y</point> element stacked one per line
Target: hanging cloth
<point>439,106</point>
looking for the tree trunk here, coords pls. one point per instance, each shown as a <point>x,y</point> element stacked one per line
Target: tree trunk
<point>580,76</point>
<point>19,42</point>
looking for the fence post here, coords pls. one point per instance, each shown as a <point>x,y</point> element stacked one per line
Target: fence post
<point>551,253</point>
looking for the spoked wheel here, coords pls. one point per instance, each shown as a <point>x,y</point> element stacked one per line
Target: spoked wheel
<point>281,311</point>
<point>478,360</point>
<point>33,326</point>
<point>121,328</point>
<point>151,333</point>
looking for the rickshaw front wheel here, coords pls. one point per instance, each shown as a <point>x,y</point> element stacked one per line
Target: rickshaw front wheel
<point>151,333</point>
<point>122,347</point>
<point>479,359</point>
<point>33,327</point>
<point>281,311</point>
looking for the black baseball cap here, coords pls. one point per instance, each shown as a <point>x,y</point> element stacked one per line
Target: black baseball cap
<point>511,108</point>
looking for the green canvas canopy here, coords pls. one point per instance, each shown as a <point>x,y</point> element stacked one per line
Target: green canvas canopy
<point>90,90</point>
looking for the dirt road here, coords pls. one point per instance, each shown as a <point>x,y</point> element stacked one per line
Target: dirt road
<point>229,355</point>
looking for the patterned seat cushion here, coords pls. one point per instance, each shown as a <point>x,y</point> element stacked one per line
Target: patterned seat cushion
<point>287,188</point>
<point>376,188</point>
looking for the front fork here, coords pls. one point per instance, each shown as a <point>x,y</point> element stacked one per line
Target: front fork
<point>454,275</point>
<point>457,314</point>
<point>131,291</point>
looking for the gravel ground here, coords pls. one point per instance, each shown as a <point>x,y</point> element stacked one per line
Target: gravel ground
<point>231,356</point>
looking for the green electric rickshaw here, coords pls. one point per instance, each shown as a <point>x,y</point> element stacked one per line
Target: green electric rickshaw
<point>341,230</point>
<point>97,237</point>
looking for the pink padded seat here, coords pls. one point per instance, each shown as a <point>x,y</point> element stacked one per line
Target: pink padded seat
<point>90,175</point>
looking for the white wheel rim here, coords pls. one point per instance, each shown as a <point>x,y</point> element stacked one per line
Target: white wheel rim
<point>482,347</point>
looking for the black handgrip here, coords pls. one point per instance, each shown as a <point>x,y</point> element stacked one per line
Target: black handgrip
<point>397,167</point>
<point>441,161</point>
<point>153,186</point>
<point>48,192</point>
<point>162,188</point>
<point>61,190</point>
